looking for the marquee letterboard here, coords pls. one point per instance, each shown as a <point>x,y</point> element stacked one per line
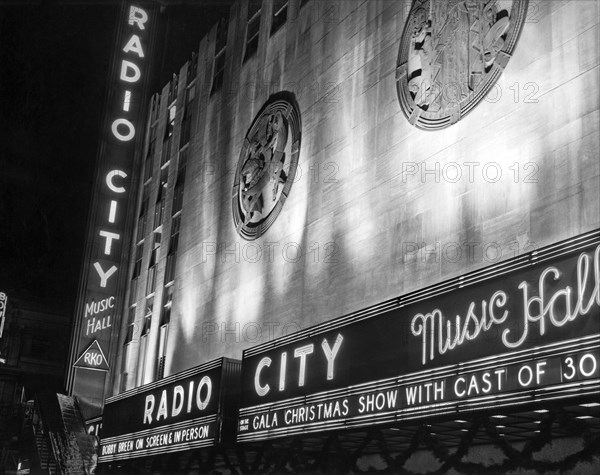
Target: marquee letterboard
<point>524,331</point>
<point>187,410</point>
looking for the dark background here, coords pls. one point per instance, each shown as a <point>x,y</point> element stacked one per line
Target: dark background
<point>54,63</point>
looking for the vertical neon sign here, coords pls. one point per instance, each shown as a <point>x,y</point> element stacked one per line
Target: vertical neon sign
<point>105,261</point>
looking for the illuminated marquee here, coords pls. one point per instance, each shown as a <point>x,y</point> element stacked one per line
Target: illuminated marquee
<point>187,410</point>
<point>99,302</point>
<point>521,332</point>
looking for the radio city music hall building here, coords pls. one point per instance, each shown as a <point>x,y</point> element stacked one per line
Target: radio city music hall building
<point>349,236</point>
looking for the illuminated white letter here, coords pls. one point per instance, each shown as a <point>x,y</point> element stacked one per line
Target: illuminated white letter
<point>115,130</point>
<point>301,353</point>
<point>109,238</point>
<point>89,308</point>
<point>134,45</point>
<point>261,390</point>
<point>539,371</point>
<point>127,101</point>
<point>177,395</point>
<point>190,398</point>
<point>202,403</point>
<point>456,391</point>
<point>139,16</point>
<point>162,406</point>
<point>282,371</point>
<point>128,65</point>
<point>104,276</point>
<point>112,213</point>
<point>149,408</point>
<point>109,180</point>
<point>330,353</point>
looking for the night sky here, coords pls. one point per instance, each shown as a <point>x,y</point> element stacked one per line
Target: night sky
<point>54,70</point>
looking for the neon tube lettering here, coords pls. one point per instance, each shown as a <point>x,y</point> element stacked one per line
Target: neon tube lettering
<point>137,16</point>
<point>109,239</point>
<point>123,137</point>
<point>104,276</point>
<point>109,180</point>
<point>134,45</point>
<point>331,353</point>
<point>302,353</point>
<point>129,66</point>
<point>439,335</point>
<point>261,390</point>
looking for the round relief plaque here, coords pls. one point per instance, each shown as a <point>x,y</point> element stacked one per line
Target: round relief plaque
<point>452,52</point>
<point>267,166</point>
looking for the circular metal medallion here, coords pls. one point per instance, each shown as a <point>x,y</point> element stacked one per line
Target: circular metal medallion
<point>452,52</point>
<point>267,166</point>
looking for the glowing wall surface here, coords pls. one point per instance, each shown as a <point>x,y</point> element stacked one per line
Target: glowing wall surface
<point>378,207</point>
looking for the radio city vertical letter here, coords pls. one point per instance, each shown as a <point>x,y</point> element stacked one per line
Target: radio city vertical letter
<point>106,264</point>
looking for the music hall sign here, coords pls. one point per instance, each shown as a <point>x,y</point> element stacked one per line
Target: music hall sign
<point>520,333</point>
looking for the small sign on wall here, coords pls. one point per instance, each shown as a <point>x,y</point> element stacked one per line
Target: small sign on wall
<point>92,358</point>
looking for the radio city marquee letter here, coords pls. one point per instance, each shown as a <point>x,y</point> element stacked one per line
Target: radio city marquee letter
<point>99,302</point>
<point>181,412</point>
<point>517,337</point>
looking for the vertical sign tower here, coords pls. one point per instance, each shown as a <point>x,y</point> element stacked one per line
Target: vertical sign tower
<point>104,268</point>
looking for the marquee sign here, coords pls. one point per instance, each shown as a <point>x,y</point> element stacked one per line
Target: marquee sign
<point>523,331</point>
<point>105,258</point>
<point>195,408</point>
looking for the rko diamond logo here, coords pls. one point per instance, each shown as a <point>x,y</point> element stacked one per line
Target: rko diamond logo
<point>267,166</point>
<point>451,54</point>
